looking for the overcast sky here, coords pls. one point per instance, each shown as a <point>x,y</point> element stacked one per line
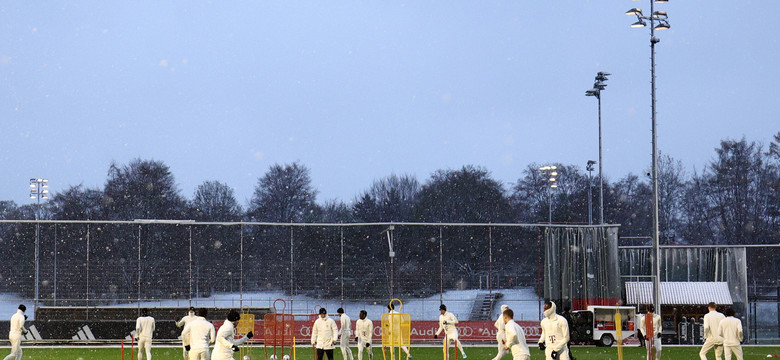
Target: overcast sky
<point>357,90</point>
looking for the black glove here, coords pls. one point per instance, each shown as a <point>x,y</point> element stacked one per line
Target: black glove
<point>648,337</point>
<point>187,347</point>
<point>250,335</point>
<point>554,354</point>
<point>542,346</point>
<point>356,338</point>
<point>435,336</point>
<point>368,345</point>
<point>25,317</point>
<point>235,348</point>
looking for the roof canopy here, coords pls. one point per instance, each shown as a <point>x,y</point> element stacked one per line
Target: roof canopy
<point>679,293</point>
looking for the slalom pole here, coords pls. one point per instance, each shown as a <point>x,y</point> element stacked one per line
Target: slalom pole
<point>444,350</point>
<point>123,349</point>
<point>132,342</point>
<point>293,349</point>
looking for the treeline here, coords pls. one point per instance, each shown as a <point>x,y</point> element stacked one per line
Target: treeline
<point>732,200</point>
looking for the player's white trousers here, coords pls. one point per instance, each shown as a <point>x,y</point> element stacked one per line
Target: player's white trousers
<point>453,336</point>
<point>16,348</point>
<point>708,345</point>
<point>184,353</point>
<point>501,350</point>
<point>517,353</point>
<point>199,354</point>
<point>346,352</point>
<point>657,346</point>
<point>736,350</point>
<point>361,347</point>
<point>145,345</point>
<point>562,355</point>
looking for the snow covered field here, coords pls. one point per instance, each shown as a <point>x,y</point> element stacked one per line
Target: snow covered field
<point>523,301</point>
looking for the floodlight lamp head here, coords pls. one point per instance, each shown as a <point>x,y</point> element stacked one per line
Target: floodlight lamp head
<point>660,15</point>
<point>592,92</point>
<point>662,26</point>
<point>638,24</point>
<point>634,11</point>
<point>661,1</point>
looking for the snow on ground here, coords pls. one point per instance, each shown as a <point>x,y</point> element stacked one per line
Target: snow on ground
<point>523,300</point>
<point>10,302</point>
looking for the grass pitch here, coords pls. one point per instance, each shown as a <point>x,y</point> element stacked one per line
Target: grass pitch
<point>418,353</point>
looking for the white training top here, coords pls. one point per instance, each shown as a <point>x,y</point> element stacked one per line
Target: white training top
<point>365,330</point>
<point>500,327</point>
<point>186,320</point>
<point>346,326</point>
<point>144,327</point>
<point>657,327</point>
<point>555,330</point>
<point>324,333</point>
<point>223,348</point>
<point>198,334</point>
<point>17,324</point>
<point>730,329</point>
<point>447,323</point>
<point>711,322</point>
<point>515,338</point>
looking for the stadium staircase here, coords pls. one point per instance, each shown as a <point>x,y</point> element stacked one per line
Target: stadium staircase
<point>483,306</point>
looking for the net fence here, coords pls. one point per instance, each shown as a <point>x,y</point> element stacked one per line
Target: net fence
<point>94,263</point>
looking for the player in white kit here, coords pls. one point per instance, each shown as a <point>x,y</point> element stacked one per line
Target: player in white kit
<point>227,343</point>
<point>364,331</point>
<point>730,329</point>
<point>555,334</point>
<point>397,327</point>
<point>500,329</point>
<point>345,332</point>
<point>447,321</point>
<point>515,337</point>
<point>711,339</point>
<point>16,332</point>
<point>182,323</point>
<point>197,336</point>
<point>144,332</point>
<point>657,327</point>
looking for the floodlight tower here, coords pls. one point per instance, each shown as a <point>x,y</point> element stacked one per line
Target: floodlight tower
<point>662,19</point>
<point>598,86</point>
<point>551,173</point>
<point>39,190</point>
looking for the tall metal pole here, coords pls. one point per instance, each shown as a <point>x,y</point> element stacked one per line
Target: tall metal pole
<point>590,195</point>
<point>601,173</point>
<point>656,249</point>
<point>139,266</point>
<point>87,272</point>
<point>55,264</point>
<point>490,261</point>
<point>37,251</point>
<point>190,231</point>
<point>441,268</point>
<point>341,230</point>
<point>549,205</point>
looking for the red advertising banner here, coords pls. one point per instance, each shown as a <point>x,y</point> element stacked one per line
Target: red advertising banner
<point>421,332</point>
